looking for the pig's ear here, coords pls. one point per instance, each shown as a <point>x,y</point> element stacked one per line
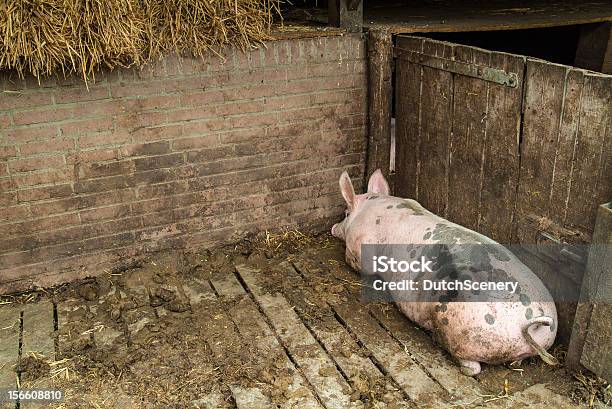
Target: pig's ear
<point>346,187</point>
<point>378,184</point>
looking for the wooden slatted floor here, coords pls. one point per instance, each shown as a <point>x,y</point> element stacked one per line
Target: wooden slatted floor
<point>276,333</point>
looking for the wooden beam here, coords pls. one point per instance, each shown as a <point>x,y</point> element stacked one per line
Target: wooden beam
<point>591,336</point>
<point>380,59</point>
<point>347,14</point>
<point>594,50</point>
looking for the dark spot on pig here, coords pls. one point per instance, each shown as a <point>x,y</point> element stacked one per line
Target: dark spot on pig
<point>524,298</point>
<point>441,307</point>
<point>489,319</point>
<point>407,205</point>
<point>389,207</point>
<point>553,327</point>
<point>413,254</point>
<point>541,310</point>
<point>377,221</point>
<point>445,271</point>
<point>498,275</point>
<point>529,313</point>
<point>427,236</point>
<point>372,197</point>
<point>444,321</point>
<point>479,258</point>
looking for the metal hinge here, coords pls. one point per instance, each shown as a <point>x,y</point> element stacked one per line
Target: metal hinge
<point>509,79</point>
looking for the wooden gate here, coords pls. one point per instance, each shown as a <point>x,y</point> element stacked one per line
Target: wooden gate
<point>516,148</point>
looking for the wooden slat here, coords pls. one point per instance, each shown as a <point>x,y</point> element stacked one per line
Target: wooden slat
<point>397,361</point>
<point>9,344</point>
<point>543,105</point>
<point>468,140</point>
<point>566,144</point>
<point>224,341</point>
<point>500,171</point>
<point>436,121</point>
<point>338,342</point>
<point>408,120</point>
<point>250,398</point>
<point>319,369</point>
<point>252,326</point>
<point>379,101</point>
<point>38,329</point>
<point>591,183</point>
<point>594,332</point>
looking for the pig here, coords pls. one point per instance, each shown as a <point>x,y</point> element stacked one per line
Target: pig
<point>491,331</point>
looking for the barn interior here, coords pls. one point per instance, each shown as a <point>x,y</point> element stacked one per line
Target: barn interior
<point>271,317</point>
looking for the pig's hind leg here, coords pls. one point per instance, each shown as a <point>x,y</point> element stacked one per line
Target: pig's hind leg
<point>469,368</point>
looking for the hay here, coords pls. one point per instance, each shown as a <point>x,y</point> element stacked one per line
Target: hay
<point>43,37</point>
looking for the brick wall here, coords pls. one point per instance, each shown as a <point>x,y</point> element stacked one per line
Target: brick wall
<point>179,154</point>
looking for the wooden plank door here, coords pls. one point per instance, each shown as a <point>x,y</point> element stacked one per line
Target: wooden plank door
<point>457,135</point>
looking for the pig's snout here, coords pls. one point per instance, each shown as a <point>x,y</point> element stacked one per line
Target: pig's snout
<point>334,229</point>
<point>337,231</point>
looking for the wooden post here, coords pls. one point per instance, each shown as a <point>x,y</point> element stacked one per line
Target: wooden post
<point>594,50</point>
<point>380,58</point>
<point>592,332</point>
<point>347,14</point>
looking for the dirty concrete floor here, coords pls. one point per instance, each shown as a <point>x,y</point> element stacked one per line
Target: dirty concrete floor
<point>265,323</point>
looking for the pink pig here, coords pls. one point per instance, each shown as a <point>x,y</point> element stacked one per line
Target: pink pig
<point>479,331</point>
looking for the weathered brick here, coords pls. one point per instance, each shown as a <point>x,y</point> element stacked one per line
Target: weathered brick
<point>6,152</point>
<point>155,133</point>
<point>146,149</point>
<point>14,213</point>
<point>45,115</point>
<point>43,224</point>
<point>196,142</point>
<point>189,114</point>
<point>23,135</point>
<point>43,177</point>
<point>81,94</point>
<point>203,127</point>
<point>94,109</point>
<point>104,139</point>
<point>87,126</point>
<point>154,162</point>
<point>42,193</point>
<point>105,213</point>
<point>150,103</point>
<point>248,121</point>
<point>201,98</point>
<point>19,100</point>
<point>240,108</point>
<point>52,145</point>
<point>103,184</point>
<point>36,163</point>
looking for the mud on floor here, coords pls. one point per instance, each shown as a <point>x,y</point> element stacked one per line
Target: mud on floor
<point>172,331</point>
